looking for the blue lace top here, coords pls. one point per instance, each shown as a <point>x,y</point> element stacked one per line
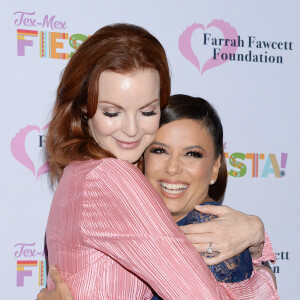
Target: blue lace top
<point>235,269</point>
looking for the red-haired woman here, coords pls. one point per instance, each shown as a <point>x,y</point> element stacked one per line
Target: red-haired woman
<point>108,231</point>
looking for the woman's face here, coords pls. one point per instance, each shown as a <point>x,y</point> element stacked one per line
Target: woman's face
<point>128,112</point>
<point>180,163</point>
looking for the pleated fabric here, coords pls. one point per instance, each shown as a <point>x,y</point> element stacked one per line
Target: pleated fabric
<point>112,237</point>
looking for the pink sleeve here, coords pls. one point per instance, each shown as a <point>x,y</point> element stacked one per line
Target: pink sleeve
<point>260,286</point>
<point>267,253</point>
<point>124,217</point>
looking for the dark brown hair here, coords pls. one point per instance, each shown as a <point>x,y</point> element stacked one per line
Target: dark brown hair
<point>121,48</point>
<point>197,109</point>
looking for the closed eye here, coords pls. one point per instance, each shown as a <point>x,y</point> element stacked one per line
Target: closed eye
<point>148,113</point>
<point>195,154</point>
<point>110,115</point>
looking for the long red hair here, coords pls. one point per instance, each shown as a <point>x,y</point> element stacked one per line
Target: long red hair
<point>121,48</point>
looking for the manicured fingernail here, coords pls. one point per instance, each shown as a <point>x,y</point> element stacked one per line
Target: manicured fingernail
<point>51,267</point>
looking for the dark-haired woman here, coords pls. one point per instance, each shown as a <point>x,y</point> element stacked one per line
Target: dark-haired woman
<point>108,230</point>
<point>186,165</point>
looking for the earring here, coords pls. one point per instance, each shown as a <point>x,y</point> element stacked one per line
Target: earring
<point>211,182</point>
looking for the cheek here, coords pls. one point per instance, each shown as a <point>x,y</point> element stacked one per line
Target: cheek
<point>102,126</point>
<point>150,125</point>
<point>200,172</point>
<point>148,166</point>
<point>152,166</point>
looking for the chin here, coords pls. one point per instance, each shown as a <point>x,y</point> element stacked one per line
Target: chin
<point>173,210</point>
<point>130,158</point>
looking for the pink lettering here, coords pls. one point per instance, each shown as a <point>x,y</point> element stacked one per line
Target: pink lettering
<point>27,250</point>
<point>21,246</point>
<point>20,15</point>
<point>25,19</point>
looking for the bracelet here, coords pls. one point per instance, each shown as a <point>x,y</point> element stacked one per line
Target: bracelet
<point>259,250</point>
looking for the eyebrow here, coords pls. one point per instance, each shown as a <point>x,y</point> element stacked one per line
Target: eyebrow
<point>148,104</point>
<point>185,148</point>
<point>193,147</point>
<point>159,144</point>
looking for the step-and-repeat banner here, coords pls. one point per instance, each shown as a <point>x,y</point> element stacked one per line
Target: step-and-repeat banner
<point>241,56</point>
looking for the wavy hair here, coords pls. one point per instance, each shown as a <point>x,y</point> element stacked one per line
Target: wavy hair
<point>121,48</point>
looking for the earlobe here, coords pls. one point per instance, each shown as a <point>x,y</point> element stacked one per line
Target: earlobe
<point>215,170</point>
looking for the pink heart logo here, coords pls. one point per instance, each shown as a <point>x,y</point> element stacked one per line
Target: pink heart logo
<point>19,152</point>
<point>186,50</point>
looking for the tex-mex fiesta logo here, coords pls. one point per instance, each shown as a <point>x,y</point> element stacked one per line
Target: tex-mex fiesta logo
<point>30,263</point>
<point>265,165</point>
<point>49,41</point>
<point>225,44</point>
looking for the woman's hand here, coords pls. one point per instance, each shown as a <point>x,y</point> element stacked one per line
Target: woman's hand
<point>229,234</point>
<point>61,291</point>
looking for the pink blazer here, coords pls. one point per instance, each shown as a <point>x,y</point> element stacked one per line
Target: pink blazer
<point>112,237</point>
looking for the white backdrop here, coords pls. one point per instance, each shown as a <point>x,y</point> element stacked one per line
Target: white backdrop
<point>256,94</point>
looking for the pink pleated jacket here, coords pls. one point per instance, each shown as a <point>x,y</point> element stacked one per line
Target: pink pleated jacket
<point>112,237</point>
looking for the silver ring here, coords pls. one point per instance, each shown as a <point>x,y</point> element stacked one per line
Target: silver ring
<point>209,250</point>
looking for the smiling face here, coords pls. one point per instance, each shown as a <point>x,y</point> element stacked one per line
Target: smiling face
<point>128,112</point>
<point>180,163</point>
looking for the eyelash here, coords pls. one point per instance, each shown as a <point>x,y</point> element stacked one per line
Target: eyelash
<point>110,115</point>
<point>144,113</point>
<point>195,154</point>
<point>158,150</point>
<point>148,113</point>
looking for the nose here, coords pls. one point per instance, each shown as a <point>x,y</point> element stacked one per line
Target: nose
<point>173,166</point>
<point>130,126</point>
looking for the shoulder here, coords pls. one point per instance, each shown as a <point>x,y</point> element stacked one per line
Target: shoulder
<point>117,166</point>
<point>112,168</point>
<point>104,167</point>
<point>109,174</point>
<point>82,167</point>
